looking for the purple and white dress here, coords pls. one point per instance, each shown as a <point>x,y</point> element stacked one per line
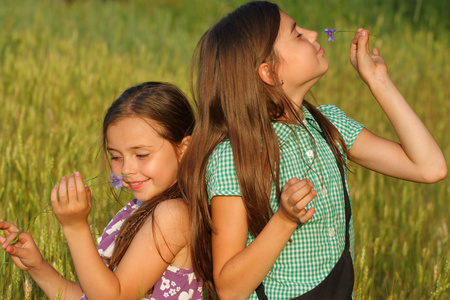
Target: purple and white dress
<point>175,283</point>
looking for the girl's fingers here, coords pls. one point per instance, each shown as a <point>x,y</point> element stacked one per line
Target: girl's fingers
<point>300,205</point>
<point>375,51</point>
<point>72,189</point>
<point>359,47</point>
<point>363,44</point>
<point>307,216</point>
<point>295,197</point>
<point>15,251</point>
<point>293,186</point>
<point>290,183</point>
<point>298,191</point>
<point>354,43</point>
<point>69,189</point>
<point>54,197</point>
<point>354,47</point>
<point>8,227</point>
<point>9,239</point>
<point>88,195</point>
<point>62,192</point>
<point>24,237</point>
<point>80,187</point>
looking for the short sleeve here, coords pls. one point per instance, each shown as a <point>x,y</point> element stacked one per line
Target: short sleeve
<point>347,127</point>
<point>221,178</point>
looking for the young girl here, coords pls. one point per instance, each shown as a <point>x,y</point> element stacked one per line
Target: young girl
<point>145,133</point>
<point>255,134</point>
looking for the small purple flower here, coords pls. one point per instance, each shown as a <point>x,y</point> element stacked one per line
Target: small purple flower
<point>330,33</point>
<point>116,182</point>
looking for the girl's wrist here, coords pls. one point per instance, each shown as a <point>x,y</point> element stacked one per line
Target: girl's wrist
<point>379,81</point>
<point>284,221</point>
<point>39,268</point>
<point>75,228</point>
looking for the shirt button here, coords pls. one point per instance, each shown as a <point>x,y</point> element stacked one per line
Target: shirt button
<point>331,232</point>
<point>309,153</point>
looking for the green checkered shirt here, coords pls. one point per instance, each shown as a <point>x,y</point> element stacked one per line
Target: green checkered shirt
<point>316,245</point>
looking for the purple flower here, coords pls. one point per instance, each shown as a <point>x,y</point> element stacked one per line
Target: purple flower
<point>116,182</point>
<point>330,33</point>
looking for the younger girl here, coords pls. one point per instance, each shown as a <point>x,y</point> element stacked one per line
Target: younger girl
<point>145,133</point>
<point>255,132</point>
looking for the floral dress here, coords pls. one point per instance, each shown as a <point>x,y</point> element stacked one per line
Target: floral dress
<point>175,283</point>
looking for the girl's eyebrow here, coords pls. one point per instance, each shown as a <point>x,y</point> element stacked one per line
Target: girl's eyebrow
<point>131,148</point>
<point>141,146</point>
<point>293,27</point>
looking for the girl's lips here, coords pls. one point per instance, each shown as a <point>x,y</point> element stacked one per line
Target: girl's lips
<point>137,184</point>
<point>321,51</point>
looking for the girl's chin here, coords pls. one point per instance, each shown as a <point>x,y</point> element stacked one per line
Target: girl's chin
<point>140,198</point>
<point>143,197</point>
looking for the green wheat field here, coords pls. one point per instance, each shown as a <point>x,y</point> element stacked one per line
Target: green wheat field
<point>62,63</point>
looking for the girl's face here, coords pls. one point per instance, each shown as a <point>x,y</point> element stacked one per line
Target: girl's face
<point>149,162</point>
<point>301,59</point>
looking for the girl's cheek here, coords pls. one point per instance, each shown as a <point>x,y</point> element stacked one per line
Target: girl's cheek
<point>116,167</point>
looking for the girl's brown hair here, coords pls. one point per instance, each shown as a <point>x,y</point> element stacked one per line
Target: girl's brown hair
<point>165,105</point>
<point>234,103</point>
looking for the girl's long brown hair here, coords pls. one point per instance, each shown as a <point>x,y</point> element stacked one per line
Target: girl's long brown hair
<point>166,105</point>
<point>235,104</point>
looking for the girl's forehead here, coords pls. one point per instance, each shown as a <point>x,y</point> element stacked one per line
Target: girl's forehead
<point>134,123</point>
<point>132,128</point>
<point>286,21</point>
<point>134,132</point>
<point>287,25</point>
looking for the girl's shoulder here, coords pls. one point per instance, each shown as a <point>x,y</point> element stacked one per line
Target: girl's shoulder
<point>223,148</point>
<point>337,116</point>
<point>331,111</point>
<point>172,220</point>
<point>347,126</point>
<point>172,211</point>
<point>221,157</point>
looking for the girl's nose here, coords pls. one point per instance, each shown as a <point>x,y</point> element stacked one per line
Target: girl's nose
<point>312,35</point>
<point>127,167</point>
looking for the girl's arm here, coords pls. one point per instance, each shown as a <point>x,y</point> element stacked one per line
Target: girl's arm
<point>141,266</point>
<point>418,156</point>
<point>26,255</point>
<point>238,270</point>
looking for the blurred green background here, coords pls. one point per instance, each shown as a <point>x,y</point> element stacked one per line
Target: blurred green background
<point>62,63</point>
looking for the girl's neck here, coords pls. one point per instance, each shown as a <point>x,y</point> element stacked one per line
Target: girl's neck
<point>296,100</point>
<point>290,118</point>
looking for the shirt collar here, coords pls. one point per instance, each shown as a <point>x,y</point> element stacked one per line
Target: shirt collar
<point>284,130</point>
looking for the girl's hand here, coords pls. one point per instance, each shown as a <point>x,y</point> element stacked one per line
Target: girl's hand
<point>24,252</point>
<point>369,66</point>
<point>74,204</point>
<point>294,198</point>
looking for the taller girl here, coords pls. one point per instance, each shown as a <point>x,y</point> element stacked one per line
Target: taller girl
<point>255,132</point>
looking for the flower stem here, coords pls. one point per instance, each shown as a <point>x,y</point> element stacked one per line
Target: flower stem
<point>45,210</point>
<point>352,32</point>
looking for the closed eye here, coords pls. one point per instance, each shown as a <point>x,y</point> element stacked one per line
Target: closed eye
<point>142,155</point>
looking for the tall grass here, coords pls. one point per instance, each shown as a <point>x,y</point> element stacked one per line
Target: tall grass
<point>63,63</point>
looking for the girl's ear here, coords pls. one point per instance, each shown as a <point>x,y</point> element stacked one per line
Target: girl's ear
<point>265,73</point>
<point>182,146</point>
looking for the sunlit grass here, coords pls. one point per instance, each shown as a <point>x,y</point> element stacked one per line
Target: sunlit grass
<point>62,65</point>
